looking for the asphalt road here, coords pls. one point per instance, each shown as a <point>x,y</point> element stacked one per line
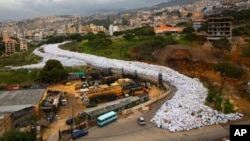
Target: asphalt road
<point>127,128</point>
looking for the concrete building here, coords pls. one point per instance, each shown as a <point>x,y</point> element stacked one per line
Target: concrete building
<point>9,45</point>
<point>112,29</point>
<point>5,34</point>
<point>37,36</point>
<point>17,106</point>
<point>23,45</point>
<point>219,27</point>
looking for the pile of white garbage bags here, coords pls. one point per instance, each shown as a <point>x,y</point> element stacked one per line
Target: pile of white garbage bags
<point>185,111</point>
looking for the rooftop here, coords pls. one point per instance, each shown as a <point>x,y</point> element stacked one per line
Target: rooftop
<point>14,108</point>
<point>95,111</point>
<point>21,97</point>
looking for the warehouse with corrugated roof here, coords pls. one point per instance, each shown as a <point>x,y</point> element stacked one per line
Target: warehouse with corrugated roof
<point>19,105</point>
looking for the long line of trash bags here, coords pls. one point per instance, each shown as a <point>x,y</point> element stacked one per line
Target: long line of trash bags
<point>186,110</point>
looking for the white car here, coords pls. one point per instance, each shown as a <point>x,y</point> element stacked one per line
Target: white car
<point>141,121</point>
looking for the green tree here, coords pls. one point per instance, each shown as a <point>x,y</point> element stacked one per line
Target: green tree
<point>16,135</point>
<point>76,37</point>
<point>101,34</point>
<point>188,30</point>
<point>53,71</point>
<point>211,95</point>
<point>228,107</point>
<point>98,40</point>
<point>183,24</point>
<point>218,101</point>
<point>191,37</point>
<point>117,33</point>
<point>228,70</point>
<point>242,31</point>
<point>145,31</point>
<point>215,98</point>
<point>55,39</point>
<point>89,36</point>
<point>246,50</point>
<point>222,44</point>
<point>128,36</point>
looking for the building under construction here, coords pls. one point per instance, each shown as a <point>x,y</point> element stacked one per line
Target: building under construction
<point>219,27</point>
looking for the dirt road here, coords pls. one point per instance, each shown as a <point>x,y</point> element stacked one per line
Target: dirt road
<point>74,106</point>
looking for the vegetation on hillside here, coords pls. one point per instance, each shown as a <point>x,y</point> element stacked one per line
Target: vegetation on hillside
<point>228,70</point>
<point>223,45</point>
<point>241,21</point>
<point>135,44</point>
<point>216,100</point>
<point>242,16</point>
<point>246,50</point>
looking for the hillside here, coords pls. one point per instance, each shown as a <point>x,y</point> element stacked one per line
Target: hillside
<point>198,61</point>
<point>172,3</point>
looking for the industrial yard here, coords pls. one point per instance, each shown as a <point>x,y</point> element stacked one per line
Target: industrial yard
<point>81,97</point>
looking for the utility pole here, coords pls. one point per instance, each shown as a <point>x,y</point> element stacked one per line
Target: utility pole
<point>73,124</point>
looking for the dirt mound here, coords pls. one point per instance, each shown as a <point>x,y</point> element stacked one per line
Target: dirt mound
<point>194,54</point>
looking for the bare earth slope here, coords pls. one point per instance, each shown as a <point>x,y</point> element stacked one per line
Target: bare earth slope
<point>197,61</point>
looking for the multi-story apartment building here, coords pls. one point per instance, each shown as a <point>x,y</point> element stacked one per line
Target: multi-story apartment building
<point>112,29</point>
<point>9,45</point>
<point>5,34</point>
<point>219,27</point>
<point>23,45</point>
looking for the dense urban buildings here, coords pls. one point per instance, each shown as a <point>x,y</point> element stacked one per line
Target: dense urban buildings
<point>38,28</point>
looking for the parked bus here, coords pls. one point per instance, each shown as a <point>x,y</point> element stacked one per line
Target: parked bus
<point>106,118</point>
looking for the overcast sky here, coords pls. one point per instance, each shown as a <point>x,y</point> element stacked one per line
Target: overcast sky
<point>22,9</point>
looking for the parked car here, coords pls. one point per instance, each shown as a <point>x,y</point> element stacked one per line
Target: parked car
<point>77,133</point>
<point>141,121</point>
<point>70,121</point>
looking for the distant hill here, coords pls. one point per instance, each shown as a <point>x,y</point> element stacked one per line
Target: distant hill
<point>168,3</point>
<point>172,3</point>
